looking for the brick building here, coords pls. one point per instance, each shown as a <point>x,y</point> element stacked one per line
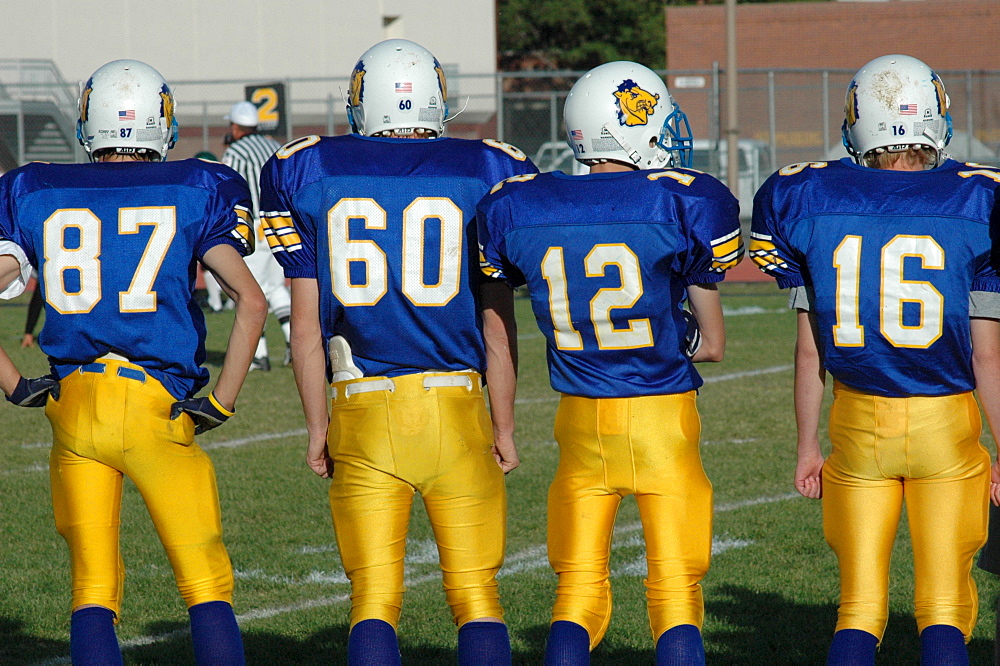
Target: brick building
<point>958,38</point>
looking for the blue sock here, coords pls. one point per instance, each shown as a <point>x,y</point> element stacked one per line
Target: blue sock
<point>680,646</point>
<point>92,639</point>
<point>215,634</point>
<point>943,644</point>
<point>852,647</point>
<point>373,642</point>
<point>568,645</point>
<point>483,644</point>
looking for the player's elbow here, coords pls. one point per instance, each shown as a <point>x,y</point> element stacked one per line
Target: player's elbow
<point>710,352</point>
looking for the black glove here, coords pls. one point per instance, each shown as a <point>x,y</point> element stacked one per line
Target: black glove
<point>206,412</point>
<point>34,392</point>
<point>692,335</point>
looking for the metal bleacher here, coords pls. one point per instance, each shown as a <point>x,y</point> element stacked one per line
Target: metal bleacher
<point>37,114</point>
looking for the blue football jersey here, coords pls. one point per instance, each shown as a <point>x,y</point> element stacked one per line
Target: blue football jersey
<point>116,248</point>
<point>387,228</point>
<point>607,258</point>
<point>890,257</point>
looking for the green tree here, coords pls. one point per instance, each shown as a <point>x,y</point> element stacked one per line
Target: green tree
<point>580,34</point>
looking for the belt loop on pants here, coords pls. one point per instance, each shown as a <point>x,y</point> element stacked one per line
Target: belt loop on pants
<point>406,383</point>
<point>384,384</point>
<point>98,367</point>
<point>435,381</point>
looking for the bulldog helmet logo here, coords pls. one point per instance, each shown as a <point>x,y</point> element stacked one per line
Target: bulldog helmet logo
<point>635,105</point>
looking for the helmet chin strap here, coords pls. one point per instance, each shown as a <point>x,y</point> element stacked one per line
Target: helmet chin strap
<point>460,112</point>
<point>620,138</point>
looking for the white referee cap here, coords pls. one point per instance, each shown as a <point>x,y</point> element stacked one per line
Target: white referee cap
<point>243,113</point>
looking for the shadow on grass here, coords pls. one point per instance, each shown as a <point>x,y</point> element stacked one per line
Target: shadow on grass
<point>766,628</point>
<point>607,653</point>
<point>19,647</point>
<point>745,627</point>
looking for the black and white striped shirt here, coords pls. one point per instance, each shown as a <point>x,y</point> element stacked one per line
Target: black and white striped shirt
<point>247,157</point>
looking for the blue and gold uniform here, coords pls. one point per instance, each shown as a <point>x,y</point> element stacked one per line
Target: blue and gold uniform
<point>607,258</point>
<point>889,260</point>
<point>386,227</point>
<point>115,246</point>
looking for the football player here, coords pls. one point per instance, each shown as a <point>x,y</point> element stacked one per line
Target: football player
<point>608,259</point>
<point>888,258</point>
<point>246,152</point>
<point>376,230</point>
<point>116,244</point>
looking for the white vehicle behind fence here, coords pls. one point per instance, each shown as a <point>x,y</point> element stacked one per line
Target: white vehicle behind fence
<point>755,166</point>
<point>710,157</point>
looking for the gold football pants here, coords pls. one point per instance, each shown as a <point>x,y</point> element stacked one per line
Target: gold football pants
<point>112,419</point>
<point>612,447</point>
<point>924,451</point>
<point>418,436</point>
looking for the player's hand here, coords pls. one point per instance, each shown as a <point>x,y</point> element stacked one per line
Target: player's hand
<point>995,483</point>
<point>505,453</point>
<point>28,340</point>
<point>207,412</point>
<point>809,475</point>
<point>692,334</point>
<point>318,457</point>
<point>34,392</point>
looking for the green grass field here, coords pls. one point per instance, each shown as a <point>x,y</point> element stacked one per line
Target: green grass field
<point>770,596</point>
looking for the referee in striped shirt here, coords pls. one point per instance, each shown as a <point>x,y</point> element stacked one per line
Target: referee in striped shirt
<point>246,152</point>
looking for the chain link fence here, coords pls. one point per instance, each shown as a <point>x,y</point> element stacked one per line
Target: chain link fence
<point>786,115</point>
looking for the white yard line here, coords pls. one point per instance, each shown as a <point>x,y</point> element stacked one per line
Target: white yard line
<point>726,311</point>
<point>223,444</point>
<point>708,380</point>
<point>529,559</point>
<point>243,441</point>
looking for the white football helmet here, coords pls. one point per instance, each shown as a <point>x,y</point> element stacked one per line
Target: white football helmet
<point>128,106</point>
<point>895,102</point>
<point>622,111</point>
<point>397,85</point>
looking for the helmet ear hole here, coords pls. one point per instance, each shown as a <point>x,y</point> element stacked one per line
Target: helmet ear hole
<point>622,111</point>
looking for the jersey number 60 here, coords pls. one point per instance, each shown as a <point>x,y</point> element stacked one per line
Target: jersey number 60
<point>344,251</point>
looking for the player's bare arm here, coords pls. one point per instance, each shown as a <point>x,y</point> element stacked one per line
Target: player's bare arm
<point>251,309</point>
<point>810,381</point>
<point>20,391</point>
<point>500,336</point>
<point>706,306</point>
<point>309,366</point>
<point>9,376</point>
<point>986,366</point>
<point>10,268</point>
